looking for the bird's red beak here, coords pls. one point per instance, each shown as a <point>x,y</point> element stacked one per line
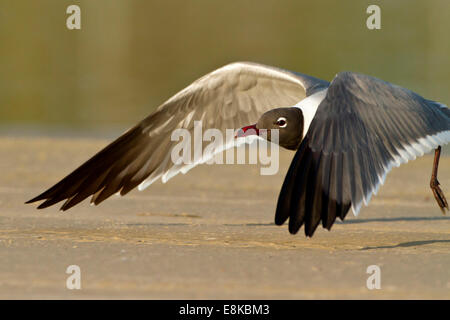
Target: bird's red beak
<point>247,131</point>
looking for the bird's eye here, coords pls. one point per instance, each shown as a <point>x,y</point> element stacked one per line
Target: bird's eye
<point>281,122</point>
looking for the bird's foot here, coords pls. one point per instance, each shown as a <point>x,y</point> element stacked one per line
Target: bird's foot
<point>439,195</point>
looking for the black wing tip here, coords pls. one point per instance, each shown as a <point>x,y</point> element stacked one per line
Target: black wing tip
<point>70,202</point>
<point>46,195</point>
<point>280,219</point>
<point>295,228</point>
<point>294,225</point>
<point>43,205</point>
<point>47,203</point>
<point>35,199</point>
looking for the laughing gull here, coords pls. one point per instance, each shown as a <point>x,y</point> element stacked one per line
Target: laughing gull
<point>347,134</point>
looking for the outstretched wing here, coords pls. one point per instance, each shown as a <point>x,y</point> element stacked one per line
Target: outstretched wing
<point>227,98</point>
<point>362,128</point>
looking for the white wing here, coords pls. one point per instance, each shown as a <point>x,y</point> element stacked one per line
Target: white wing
<point>227,98</point>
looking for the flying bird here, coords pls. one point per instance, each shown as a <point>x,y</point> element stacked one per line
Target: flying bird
<point>347,134</point>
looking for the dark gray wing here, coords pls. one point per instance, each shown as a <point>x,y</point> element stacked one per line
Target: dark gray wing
<point>227,98</point>
<point>362,128</point>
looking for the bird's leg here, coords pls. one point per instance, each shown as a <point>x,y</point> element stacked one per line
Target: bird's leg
<point>434,183</point>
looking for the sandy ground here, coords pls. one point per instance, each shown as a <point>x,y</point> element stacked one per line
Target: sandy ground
<point>210,235</point>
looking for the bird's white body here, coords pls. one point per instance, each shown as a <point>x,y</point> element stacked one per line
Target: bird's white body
<point>309,107</point>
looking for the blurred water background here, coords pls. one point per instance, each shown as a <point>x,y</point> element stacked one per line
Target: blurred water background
<point>130,56</point>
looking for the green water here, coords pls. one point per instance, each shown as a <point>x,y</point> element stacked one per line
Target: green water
<point>130,56</point>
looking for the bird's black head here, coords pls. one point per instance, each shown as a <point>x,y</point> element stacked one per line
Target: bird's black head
<point>288,121</point>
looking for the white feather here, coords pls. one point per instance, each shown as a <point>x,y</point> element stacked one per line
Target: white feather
<point>309,107</point>
<point>408,152</point>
